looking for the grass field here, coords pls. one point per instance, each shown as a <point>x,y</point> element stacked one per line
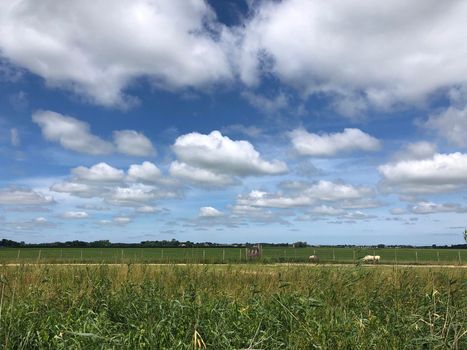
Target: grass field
<point>228,255</point>
<point>232,307</point>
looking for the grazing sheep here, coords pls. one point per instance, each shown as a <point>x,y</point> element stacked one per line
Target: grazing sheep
<point>371,258</point>
<point>313,258</point>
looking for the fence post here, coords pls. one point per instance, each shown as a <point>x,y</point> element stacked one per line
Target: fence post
<point>39,256</point>
<point>240,251</point>
<point>416,256</point>
<point>437,254</point>
<point>17,257</point>
<point>162,254</point>
<point>333,255</point>
<point>395,255</point>
<point>204,255</point>
<point>353,251</point>
<point>61,253</point>
<point>459,255</point>
<point>223,255</point>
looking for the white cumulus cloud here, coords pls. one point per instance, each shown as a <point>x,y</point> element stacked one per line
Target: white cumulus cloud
<point>451,124</point>
<point>22,196</point>
<point>71,133</point>
<point>101,46</point>
<point>329,145</point>
<point>359,52</point>
<point>432,208</point>
<point>209,212</point>
<point>199,176</point>
<point>75,135</point>
<point>133,143</point>
<point>145,172</point>
<point>75,215</point>
<point>101,172</point>
<point>441,173</point>
<point>219,159</point>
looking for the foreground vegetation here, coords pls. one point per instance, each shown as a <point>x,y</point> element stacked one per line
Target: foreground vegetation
<point>232,307</point>
<point>229,255</point>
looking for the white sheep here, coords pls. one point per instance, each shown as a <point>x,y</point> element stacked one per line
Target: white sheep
<point>313,258</point>
<point>371,258</point>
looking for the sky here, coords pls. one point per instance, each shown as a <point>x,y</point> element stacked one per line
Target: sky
<point>328,122</point>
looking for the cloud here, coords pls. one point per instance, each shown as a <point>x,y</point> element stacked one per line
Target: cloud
<point>75,135</point>
<point>133,143</point>
<point>329,145</point>
<point>14,137</point>
<point>147,209</point>
<point>99,56</point>
<point>121,220</point>
<point>145,172</point>
<point>451,124</point>
<point>273,200</point>
<point>375,55</point>
<point>21,196</point>
<point>432,208</point>
<point>78,189</point>
<point>220,154</point>
<point>75,215</point>
<point>269,105</point>
<point>40,220</point>
<point>306,195</point>
<point>133,195</point>
<point>251,131</point>
<point>441,173</point>
<point>137,189</point>
<point>101,172</point>
<point>209,212</point>
<point>199,176</point>
<point>327,210</point>
<point>416,151</point>
<point>398,211</point>
<point>71,133</point>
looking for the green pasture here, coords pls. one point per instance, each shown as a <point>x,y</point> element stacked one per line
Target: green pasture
<point>229,255</point>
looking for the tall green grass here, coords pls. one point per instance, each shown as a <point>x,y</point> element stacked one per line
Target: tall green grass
<point>231,307</point>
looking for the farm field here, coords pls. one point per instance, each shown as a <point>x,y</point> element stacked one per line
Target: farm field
<point>239,306</point>
<point>229,255</point>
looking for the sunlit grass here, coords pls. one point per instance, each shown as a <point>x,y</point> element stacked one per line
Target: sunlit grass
<point>231,307</point>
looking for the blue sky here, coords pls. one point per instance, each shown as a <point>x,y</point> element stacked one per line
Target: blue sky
<point>233,121</point>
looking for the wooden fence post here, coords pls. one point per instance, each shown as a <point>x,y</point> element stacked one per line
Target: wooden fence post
<point>223,255</point>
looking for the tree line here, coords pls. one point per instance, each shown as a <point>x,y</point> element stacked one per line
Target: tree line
<point>173,243</point>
